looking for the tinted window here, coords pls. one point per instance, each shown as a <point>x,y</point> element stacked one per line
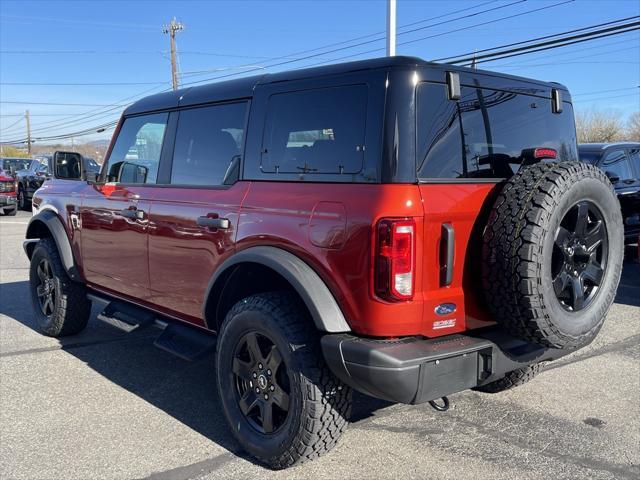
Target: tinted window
<point>487,133</point>
<point>590,156</point>
<point>616,163</point>
<point>207,141</point>
<point>316,131</point>
<point>136,153</point>
<point>634,157</point>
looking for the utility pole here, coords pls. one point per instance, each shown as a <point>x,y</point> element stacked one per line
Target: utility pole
<point>26,117</point>
<point>173,27</point>
<point>391,28</point>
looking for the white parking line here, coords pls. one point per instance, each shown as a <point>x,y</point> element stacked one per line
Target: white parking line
<point>15,223</point>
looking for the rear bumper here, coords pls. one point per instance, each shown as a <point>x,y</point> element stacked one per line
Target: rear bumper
<point>416,370</point>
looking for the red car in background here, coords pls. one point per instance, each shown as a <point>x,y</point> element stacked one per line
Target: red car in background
<point>8,204</point>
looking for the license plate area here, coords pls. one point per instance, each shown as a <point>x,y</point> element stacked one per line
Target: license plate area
<point>448,375</point>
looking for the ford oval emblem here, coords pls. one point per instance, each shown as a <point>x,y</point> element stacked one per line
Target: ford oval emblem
<point>445,309</point>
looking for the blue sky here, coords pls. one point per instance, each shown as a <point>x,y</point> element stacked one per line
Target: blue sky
<point>122,42</point>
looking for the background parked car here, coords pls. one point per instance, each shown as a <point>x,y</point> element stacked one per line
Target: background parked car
<point>12,165</point>
<point>621,163</point>
<point>30,179</point>
<point>90,165</point>
<point>7,194</point>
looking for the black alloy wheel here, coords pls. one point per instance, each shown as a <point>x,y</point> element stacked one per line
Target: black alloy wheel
<point>579,257</point>
<point>45,288</point>
<point>261,382</point>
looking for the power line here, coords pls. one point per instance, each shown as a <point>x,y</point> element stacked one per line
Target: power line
<point>414,23</point>
<point>80,84</point>
<point>608,98</point>
<point>574,51</point>
<point>16,102</point>
<point>505,50</point>
<point>95,112</point>
<point>3,115</point>
<point>442,33</point>
<point>286,62</point>
<point>569,60</point>
<point>15,123</point>
<point>552,44</point>
<point>475,52</point>
<point>605,91</point>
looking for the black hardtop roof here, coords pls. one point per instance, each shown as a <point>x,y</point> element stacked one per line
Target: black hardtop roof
<point>594,147</point>
<point>243,87</point>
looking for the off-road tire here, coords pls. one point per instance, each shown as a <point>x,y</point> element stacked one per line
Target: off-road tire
<point>72,308</point>
<point>320,404</point>
<point>22,202</point>
<point>517,249</point>
<point>512,379</point>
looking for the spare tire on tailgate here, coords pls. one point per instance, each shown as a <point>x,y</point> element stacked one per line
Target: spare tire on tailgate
<point>552,253</point>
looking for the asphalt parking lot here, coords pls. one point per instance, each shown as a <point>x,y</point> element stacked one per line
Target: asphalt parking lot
<point>106,404</point>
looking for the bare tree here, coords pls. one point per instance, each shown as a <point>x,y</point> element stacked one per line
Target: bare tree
<point>595,126</point>
<point>633,127</point>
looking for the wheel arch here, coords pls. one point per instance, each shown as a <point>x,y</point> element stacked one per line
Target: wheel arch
<point>48,224</point>
<point>263,268</point>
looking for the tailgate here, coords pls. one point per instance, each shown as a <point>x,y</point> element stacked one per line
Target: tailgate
<point>454,219</point>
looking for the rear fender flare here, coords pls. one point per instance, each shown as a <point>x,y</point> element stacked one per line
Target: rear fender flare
<point>325,311</point>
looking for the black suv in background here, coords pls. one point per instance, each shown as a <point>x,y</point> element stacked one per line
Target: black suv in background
<point>621,163</point>
<point>30,179</point>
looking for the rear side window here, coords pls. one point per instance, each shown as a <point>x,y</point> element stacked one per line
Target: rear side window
<point>634,156</point>
<point>316,131</point>
<point>616,163</point>
<point>487,133</point>
<point>207,142</point>
<point>136,153</point>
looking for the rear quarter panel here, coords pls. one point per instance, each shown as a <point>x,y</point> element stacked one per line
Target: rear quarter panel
<point>336,245</point>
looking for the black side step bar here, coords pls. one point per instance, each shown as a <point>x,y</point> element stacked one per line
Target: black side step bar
<point>188,343</point>
<point>123,316</point>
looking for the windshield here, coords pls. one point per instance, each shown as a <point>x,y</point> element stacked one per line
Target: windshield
<point>9,164</point>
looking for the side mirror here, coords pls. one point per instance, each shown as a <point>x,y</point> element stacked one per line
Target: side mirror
<point>132,173</point>
<point>67,165</point>
<point>613,178</point>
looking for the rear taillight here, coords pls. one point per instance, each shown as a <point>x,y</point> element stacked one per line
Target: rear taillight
<point>394,262</point>
<point>544,153</point>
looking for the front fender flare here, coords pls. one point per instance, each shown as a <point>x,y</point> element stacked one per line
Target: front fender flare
<point>324,310</point>
<point>49,219</point>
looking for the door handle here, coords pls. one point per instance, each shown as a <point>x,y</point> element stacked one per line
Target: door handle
<point>447,249</point>
<point>132,213</point>
<point>209,222</point>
